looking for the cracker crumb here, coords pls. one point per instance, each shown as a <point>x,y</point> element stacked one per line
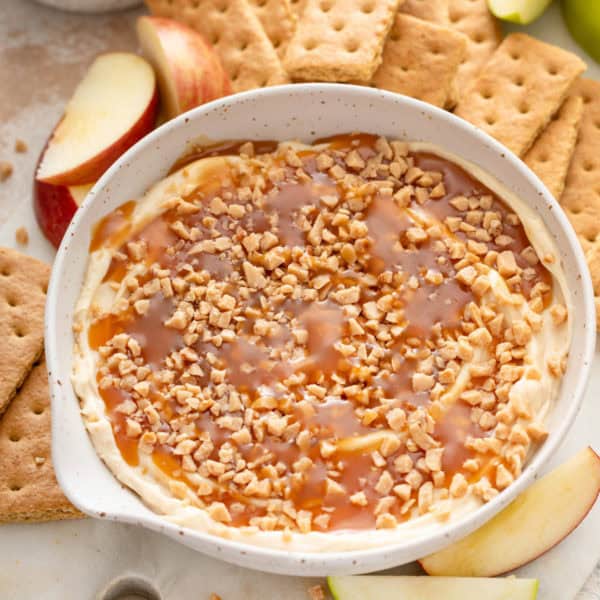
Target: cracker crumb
<point>316,592</point>
<point>6,170</point>
<point>22,236</point>
<point>20,146</point>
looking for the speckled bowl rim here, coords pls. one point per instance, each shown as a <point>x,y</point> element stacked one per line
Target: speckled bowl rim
<point>304,563</point>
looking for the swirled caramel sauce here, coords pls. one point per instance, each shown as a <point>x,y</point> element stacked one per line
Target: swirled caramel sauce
<point>321,337</point>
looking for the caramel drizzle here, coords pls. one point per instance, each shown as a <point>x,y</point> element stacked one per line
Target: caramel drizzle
<point>334,417</point>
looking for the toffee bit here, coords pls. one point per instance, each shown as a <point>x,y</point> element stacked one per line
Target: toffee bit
<point>316,592</point>
<point>6,170</point>
<point>20,146</point>
<point>22,236</point>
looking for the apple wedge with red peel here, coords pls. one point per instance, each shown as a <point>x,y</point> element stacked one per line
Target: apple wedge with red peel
<point>54,207</point>
<point>113,107</point>
<point>533,524</point>
<point>189,70</point>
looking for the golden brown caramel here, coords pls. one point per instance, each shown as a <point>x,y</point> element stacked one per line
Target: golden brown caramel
<point>113,228</point>
<point>294,357</point>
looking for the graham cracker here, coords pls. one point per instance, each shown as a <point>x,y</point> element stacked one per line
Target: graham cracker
<point>435,11</point>
<point>23,282</point>
<point>340,40</point>
<point>473,19</point>
<point>551,153</point>
<point>581,197</point>
<point>28,487</point>
<point>518,91</point>
<point>278,21</point>
<point>298,7</point>
<point>234,30</point>
<point>420,59</point>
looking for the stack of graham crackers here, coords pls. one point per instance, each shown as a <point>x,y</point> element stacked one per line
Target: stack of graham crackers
<point>450,53</point>
<point>28,488</point>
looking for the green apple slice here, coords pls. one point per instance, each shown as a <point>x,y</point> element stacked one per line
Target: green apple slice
<point>387,587</point>
<point>583,20</point>
<point>518,11</point>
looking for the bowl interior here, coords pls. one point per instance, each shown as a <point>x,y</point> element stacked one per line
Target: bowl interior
<point>304,112</point>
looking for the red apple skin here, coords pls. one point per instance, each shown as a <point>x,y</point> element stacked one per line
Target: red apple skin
<point>91,170</point>
<point>575,526</point>
<point>531,559</point>
<point>54,207</point>
<point>190,62</point>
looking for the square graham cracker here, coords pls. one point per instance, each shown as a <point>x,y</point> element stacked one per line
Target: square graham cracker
<point>551,153</point>
<point>581,196</point>
<point>473,19</point>
<point>278,21</point>
<point>339,40</point>
<point>435,11</point>
<point>298,7</point>
<point>234,30</point>
<point>23,283</point>
<point>28,487</point>
<point>420,59</point>
<point>521,87</point>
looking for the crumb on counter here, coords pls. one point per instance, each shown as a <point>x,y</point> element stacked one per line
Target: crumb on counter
<point>214,596</point>
<point>22,236</point>
<point>20,146</point>
<point>6,170</point>
<point>316,592</point>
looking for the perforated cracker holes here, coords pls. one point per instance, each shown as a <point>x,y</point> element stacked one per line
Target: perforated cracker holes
<point>23,282</point>
<point>521,87</point>
<point>331,41</point>
<point>473,19</point>
<point>28,487</point>
<point>551,153</point>
<point>278,20</point>
<point>421,59</point>
<point>581,198</point>
<point>234,30</point>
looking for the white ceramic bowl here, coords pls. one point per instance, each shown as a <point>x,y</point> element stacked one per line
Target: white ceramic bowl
<point>286,112</point>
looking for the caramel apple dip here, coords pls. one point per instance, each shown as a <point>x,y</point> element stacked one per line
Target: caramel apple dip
<point>320,347</point>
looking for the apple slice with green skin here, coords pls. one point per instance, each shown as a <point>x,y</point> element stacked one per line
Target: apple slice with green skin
<point>518,11</point>
<point>113,106</point>
<point>387,587</point>
<point>583,20</point>
<point>533,524</point>
<point>188,69</point>
<point>54,207</point>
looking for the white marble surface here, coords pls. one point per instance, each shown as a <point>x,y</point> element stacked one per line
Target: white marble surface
<point>43,53</point>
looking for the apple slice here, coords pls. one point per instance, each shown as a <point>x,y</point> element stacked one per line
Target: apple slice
<point>387,587</point>
<point>583,20</point>
<point>522,12</point>
<point>54,207</point>
<point>189,71</point>
<point>535,522</point>
<point>112,108</point>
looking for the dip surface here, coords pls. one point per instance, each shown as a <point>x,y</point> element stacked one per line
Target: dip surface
<point>320,347</point>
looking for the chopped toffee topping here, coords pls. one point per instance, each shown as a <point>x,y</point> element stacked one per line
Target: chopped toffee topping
<point>316,338</point>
